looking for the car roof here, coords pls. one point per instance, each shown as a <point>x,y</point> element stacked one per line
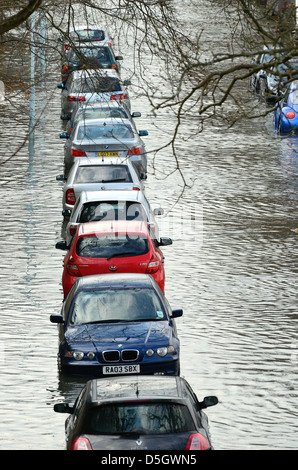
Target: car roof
<point>99,73</point>
<point>87,27</point>
<point>93,161</point>
<point>116,281</point>
<point>118,195</point>
<point>137,388</point>
<point>113,226</point>
<point>99,105</point>
<point>109,120</point>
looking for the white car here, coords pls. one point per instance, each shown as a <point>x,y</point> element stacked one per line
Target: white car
<point>89,86</point>
<point>94,206</point>
<point>94,174</point>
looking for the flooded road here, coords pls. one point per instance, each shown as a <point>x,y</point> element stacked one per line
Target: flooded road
<point>232,268</point>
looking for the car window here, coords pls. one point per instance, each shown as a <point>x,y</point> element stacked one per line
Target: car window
<point>96,85</point>
<point>112,210</point>
<point>98,132</point>
<point>100,53</point>
<point>102,113</point>
<point>116,305</point>
<point>102,174</point>
<point>147,418</point>
<point>87,35</point>
<point>112,246</point>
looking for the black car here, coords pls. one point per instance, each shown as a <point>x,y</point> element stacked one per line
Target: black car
<point>90,56</point>
<point>137,413</point>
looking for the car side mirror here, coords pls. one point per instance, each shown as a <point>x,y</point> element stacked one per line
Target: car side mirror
<point>64,135</point>
<point>208,401</point>
<point>119,57</point>
<point>143,133</point>
<point>127,82</point>
<point>158,211</point>
<point>177,313</point>
<point>165,241</point>
<point>66,213</point>
<point>61,178</point>
<point>56,319</point>
<point>136,114</point>
<point>63,408</point>
<point>61,86</point>
<point>61,245</point>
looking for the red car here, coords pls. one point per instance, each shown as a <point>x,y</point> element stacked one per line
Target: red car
<point>113,246</point>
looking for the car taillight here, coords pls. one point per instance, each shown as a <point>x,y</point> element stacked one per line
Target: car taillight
<point>290,114</point>
<point>76,98</point>
<point>153,266</point>
<point>78,153</point>
<point>81,443</point>
<point>72,268</point>
<point>64,68</point>
<point>70,197</point>
<point>135,188</point>
<point>67,46</point>
<point>120,96</point>
<point>114,66</point>
<point>72,230</point>
<point>135,151</point>
<point>197,442</point>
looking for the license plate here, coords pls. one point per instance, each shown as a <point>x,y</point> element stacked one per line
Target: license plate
<point>125,369</point>
<point>107,154</point>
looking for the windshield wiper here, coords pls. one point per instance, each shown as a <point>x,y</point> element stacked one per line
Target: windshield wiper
<point>115,179</point>
<point>128,253</point>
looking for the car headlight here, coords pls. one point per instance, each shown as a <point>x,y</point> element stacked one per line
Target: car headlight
<point>162,351</point>
<point>78,355</point>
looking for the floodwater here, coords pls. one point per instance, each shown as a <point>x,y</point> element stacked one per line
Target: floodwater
<point>232,267</point>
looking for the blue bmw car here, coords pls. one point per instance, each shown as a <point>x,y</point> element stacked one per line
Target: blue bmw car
<point>286,112</point>
<point>117,324</point>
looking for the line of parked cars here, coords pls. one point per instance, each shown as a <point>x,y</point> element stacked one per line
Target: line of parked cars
<point>277,83</point>
<point>116,327</point>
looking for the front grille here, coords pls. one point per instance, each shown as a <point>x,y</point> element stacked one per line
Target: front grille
<point>111,356</point>
<point>126,355</point>
<point>130,355</point>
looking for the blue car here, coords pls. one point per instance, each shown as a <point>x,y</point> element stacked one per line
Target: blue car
<point>117,324</point>
<point>286,112</point>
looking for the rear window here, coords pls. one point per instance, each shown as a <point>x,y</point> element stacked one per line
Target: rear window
<point>96,85</point>
<point>112,246</point>
<point>112,210</point>
<point>99,53</point>
<point>88,35</point>
<point>102,174</point>
<point>146,417</point>
<point>102,113</point>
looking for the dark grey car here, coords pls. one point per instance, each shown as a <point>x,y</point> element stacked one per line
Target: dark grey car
<point>137,413</point>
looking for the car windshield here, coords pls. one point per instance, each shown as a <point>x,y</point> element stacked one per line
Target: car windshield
<point>102,113</point>
<point>112,210</point>
<point>117,131</point>
<point>145,418</point>
<point>87,35</point>
<point>100,53</point>
<point>112,245</point>
<point>113,305</point>
<point>102,174</point>
<point>96,85</point>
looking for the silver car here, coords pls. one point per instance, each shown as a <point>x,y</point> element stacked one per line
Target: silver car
<point>93,174</point>
<point>94,206</point>
<point>87,86</point>
<point>106,138</point>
